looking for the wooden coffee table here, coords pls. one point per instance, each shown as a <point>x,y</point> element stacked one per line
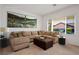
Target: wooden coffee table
<point>43,43</point>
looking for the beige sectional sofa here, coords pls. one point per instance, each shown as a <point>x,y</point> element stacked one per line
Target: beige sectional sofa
<point>19,40</point>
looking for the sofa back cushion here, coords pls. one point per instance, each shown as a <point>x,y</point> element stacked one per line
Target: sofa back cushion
<point>26,33</point>
<point>54,34</point>
<point>46,33</point>
<point>19,34</point>
<point>34,33</point>
<point>40,32</point>
<point>14,34</point>
<point>20,40</point>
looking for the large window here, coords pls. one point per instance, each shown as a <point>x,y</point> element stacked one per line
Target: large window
<point>59,25</point>
<point>70,25</point>
<point>62,25</point>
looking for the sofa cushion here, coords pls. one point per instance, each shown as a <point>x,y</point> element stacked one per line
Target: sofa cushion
<point>40,32</point>
<point>14,34</point>
<point>21,46</point>
<point>46,33</point>
<point>11,37</point>
<point>34,33</point>
<point>26,33</point>
<point>21,40</point>
<point>19,34</point>
<point>54,34</point>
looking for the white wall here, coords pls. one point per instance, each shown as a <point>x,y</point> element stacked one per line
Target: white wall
<point>3,19</point>
<point>0,15</point>
<point>1,24</point>
<point>72,10</point>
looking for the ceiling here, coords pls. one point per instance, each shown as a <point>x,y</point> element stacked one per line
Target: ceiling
<point>39,9</point>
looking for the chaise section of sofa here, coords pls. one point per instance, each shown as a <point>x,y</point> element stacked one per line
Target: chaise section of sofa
<point>19,40</point>
<point>50,35</point>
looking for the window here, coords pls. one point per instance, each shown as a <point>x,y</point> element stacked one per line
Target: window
<point>50,25</point>
<point>59,25</point>
<point>70,25</point>
<point>62,25</point>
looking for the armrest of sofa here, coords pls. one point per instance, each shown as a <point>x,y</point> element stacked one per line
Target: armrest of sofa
<point>11,42</point>
<point>11,36</point>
